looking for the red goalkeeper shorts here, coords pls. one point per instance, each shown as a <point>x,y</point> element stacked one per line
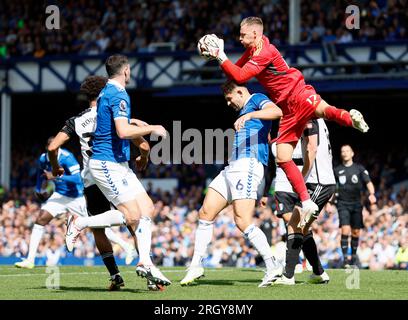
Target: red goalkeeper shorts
<point>300,109</point>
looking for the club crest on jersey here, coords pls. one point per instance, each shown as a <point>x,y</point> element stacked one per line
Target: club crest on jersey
<point>342,179</point>
<point>124,181</point>
<point>354,178</point>
<point>122,105</point>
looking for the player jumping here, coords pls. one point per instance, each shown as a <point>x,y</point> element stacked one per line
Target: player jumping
<point>239,181</point>
<point>286,87</point>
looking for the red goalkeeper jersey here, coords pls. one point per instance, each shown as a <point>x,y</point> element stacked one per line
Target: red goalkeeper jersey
<point>266,64</point>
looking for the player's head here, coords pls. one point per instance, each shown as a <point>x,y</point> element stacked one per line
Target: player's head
<point>235,94</point>
<point>346,152</point>
<point>118,65</point>
<point>92,86</point>
<point>251,31</point>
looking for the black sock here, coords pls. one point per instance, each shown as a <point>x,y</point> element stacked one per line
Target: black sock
<point>344,245</point>
<point>354,245</point>
<point>110,263</point>
<point>310,251</point>
<point>293,245</point>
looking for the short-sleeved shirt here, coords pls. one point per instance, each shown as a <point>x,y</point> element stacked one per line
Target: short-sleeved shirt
<point>350,182</point>
<point>113,103</point>
<point>252,140</point>
<point>71,167</point>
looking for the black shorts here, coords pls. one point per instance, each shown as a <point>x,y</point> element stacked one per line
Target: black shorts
<point>96,201</point>
<point>350,214</point>
<point>285,202</point>
<point>319,194</point>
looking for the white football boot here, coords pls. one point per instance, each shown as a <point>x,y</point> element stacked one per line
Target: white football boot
<point>358,120</point>
<point>270,277</point>
<point>24,264</point>
<point>193,274</point>
<point>153,274</point>
<point>315,279</point>
<point>72,233</point>
<point>284,281</point>
<point>309,208</point>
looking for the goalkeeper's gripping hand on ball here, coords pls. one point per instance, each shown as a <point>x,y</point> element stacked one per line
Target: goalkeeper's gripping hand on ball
<point>211,46</point>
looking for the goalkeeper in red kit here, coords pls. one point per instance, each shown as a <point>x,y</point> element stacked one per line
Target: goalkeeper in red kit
<point>286,87</point>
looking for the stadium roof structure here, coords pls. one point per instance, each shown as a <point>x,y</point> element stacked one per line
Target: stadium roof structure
<point>373,65</point>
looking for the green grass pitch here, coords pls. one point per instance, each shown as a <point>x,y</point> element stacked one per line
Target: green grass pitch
<point>83,283</point>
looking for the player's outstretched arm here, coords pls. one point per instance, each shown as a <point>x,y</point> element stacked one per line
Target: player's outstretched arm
<point>55,144</point>
<point>125,130</point>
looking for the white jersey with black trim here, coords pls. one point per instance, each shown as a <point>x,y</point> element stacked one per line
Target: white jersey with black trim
<point>83,126</point>
<point>322,170</point>
<point>282,183</point>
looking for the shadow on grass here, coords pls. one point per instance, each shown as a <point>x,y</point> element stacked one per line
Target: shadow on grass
<point>213,282</point>
<point>63,289</point>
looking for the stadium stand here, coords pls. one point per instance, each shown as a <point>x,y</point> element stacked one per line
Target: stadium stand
<point>94,27</point>
<point>384,244</point>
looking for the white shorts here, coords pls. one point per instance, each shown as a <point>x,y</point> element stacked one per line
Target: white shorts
<point>239,180</point>
<point>58,204</point>
<point>117,181</point>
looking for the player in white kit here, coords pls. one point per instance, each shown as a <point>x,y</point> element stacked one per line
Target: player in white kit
<point>314,159</point>
<point>239,181</point>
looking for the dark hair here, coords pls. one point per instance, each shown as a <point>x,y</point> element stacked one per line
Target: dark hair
<point>115,63</point>
<point>92,86</point>
<point>347,145</point>
<point>228,86</point>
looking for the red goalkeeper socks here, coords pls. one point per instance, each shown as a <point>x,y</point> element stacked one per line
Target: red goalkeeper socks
<point>295,178</point>
<point>340,116</point>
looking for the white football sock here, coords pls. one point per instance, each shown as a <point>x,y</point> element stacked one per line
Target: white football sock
<point>144,240</point>
<point>258,240</point>
<point>36,235</point>
<point>116,238</point>
<point>203,238</point>
<point>104,220</point>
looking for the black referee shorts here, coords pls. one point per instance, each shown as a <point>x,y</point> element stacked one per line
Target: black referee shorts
<point>350,214</point>
<point>319,194</point>
<point>96,201</point>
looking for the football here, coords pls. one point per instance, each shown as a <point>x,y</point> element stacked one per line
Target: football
<point>205,43</point>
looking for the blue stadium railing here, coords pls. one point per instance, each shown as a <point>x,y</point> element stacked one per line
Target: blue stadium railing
<point>340,67</point>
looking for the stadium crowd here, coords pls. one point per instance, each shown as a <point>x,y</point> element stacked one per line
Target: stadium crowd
<point>95,27</point>
<point>383,245</point>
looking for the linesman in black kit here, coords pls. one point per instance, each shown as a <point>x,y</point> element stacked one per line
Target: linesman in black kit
<point>351,178</point>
